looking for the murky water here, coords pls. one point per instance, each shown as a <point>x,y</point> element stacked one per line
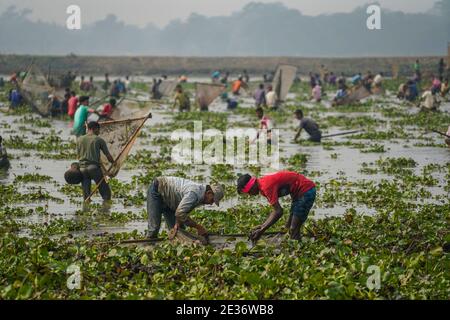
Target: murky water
<point>346,161</point>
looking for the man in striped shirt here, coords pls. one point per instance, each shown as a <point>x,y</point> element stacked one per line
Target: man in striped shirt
<point>175,198</point>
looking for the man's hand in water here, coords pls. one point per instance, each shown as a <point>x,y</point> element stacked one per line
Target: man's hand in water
<point>202,232</point>
<point>256,234</point>
<point>174,231</point>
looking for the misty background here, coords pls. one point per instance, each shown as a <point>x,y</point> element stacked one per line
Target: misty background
<point>258,29</point>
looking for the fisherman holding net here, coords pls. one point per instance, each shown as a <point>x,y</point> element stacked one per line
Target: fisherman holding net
<point>182,101</point>
<point>89,149</point>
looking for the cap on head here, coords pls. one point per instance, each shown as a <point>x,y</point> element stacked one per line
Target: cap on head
<point>218,193</point>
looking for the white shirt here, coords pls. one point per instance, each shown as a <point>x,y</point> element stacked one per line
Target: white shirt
<point>428,99</point>
<point>448,131</point>
<point>271,98</point>
<point>378,79</point>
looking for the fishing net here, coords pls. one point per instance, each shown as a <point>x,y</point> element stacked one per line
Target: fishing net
<point>206,93</point>
<point>120,137</point>
<point>36,90</point>
<point>283,80</point>
<point>127,109</point>
<point>358,94</point>
<point>167,88</point>
<point>378,90</point>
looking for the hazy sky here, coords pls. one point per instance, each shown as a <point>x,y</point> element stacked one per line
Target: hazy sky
<point>160,12</point>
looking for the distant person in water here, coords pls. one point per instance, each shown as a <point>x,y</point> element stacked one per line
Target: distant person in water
<point>412,92</point>
<point>65,103</point>
<point>428,101</point>
<point>265,123</point>
<point>182,101</point>
<point>224,79</point>
<point>260,96</point>
<point>271,98</point>
<point>156,94</point>
<point>317,93</point>
<point>105,112</point>
<point>72,104</point>
<point>81,116</point>
<point>115,89</point>
<point>232,103</point>
<point>309,125</point>
<point>106,83</point>
<point>89,149</point>
<point>436,85</point>
<point>246,77</point>
<point>15,98</point>
<point>418,70</point>
<point>56,106</point>
<point>237,86</point>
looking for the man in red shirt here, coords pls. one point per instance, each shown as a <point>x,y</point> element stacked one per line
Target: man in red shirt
<point>277,185</point>
<point>72,104</point>
<point>107,110</point>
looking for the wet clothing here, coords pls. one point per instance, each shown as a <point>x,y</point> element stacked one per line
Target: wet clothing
<point>317,93</point>
<point>182,101</point>
<point>156,208</point>
<point>232,104</point>
<point>236,86</point>
<point>15,98</point>
<point>156,94</point>
<point>312,128</point>
<point>271,99</point>
<point>260,97</point>
<point>72,106</point>
<point>80,118</point>
<point>283,183</point>
<point>88,149</point>
<point>436,86</point>
<point>94,172</point>
<point>174,198</point>
<point>56,107</point>
<point>266,123</point>
<point>378,80</point>
<point>107,110</point>
<point>412,92</point>
<point>302,205</point>
<point>428,100</point>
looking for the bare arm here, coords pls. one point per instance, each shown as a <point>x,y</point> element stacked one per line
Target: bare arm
<point>299,131</point>
<point>105,151</point>
<point>271,220</point>
<point>275,215</point>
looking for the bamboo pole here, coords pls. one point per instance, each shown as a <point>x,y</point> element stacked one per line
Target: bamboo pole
<point>341,134</point>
